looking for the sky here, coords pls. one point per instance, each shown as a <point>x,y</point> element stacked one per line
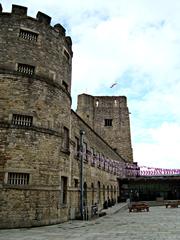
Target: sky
<point>136,44</point>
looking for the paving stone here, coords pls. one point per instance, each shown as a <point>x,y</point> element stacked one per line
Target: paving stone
<point>159,223</point>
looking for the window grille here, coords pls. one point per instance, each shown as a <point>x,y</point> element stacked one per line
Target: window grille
<point>28,35</point>
<point>107,122</point>
<point>26,69</point>
<point>22,120</point>
<point>18,178</point>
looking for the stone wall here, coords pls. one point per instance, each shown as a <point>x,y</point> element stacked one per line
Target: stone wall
<point>96,109</point>
<point>40,134</point>
<point>34,110</point>
<point>34,42</point>
<point>93,172</point>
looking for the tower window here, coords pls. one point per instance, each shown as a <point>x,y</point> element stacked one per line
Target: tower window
<point>107,122</point>
<point>97,103</point>
<point>22,120</point>
<point>66,139</point>
<point>65,85</point>
<point>28,35</point>
<point>18,178</point>
<point>66,54</point>
<point>26,69</point>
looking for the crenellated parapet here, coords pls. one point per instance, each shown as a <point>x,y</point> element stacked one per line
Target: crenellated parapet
<point>48,48</point>
<point>21,12</point>
<point>35,69</point>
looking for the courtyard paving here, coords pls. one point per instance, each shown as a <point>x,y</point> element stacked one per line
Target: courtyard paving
<point>159,223</point>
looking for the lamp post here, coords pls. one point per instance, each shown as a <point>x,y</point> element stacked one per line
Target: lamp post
<point>81,174</point>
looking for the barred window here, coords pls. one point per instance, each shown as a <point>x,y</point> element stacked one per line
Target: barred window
<point>26,69</point>
<point>107,122</point>
<point>28,35</point>
<point>18,178</point>
<point>22,120</point>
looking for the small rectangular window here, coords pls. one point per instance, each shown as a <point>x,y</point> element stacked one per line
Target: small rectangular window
<point>63,190</point>
<point>18,178</point>
<point>26,69</point>
<point>28,35</point>
<point>66,139</point>
<point>22,120</point>
<point>107,122</point>
<point>65,85</point>
<point>75,183</point>
<point>77,147</point>
<point>66,54</point>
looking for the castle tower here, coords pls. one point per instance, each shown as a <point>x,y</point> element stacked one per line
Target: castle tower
<point>109,117</point>
<point>35,101</point>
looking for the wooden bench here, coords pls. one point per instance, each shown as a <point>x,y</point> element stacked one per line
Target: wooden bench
<point>172,204</point>
<point>138,207</point>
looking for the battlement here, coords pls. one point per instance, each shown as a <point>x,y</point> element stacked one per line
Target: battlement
<point>98,101</point>
<point>35,38</point>
<point>21,12</point>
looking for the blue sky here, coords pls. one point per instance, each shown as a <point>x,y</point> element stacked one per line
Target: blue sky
<point>135,43</point>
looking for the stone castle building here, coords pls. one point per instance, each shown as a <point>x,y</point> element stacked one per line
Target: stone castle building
<point>41,145</point>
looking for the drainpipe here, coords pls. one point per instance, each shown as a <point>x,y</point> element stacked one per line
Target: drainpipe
<point>81,174</point>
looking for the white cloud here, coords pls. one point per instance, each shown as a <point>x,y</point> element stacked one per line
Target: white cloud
<point>163,151</point>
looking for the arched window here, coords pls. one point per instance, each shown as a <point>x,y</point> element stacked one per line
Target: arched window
<point>97,103</point>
